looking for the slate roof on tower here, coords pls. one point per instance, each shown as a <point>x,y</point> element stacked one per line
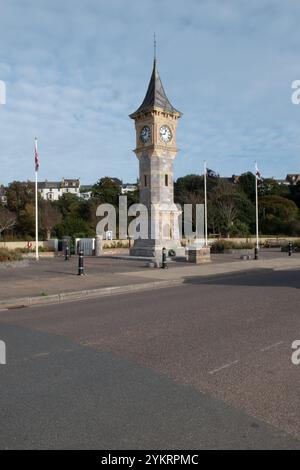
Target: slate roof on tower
<point>155,96</point>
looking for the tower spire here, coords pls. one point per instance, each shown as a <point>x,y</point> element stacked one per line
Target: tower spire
<point>155,96</point>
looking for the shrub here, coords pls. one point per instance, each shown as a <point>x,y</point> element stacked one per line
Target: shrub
<point>116,244</point>
<point>219,246</point>
<point>7,255</point>
<point>42,249</point>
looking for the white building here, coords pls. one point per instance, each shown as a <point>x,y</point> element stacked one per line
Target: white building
<point>129,188</point>
<point>53,190</point>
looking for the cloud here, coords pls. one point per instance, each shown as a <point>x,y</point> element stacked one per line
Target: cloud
<point>74,71</point>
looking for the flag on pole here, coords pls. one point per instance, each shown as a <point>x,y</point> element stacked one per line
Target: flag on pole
<point>257,172</point>
<point>205,203</point>
<point>257,177</point>
<point>37,165</point>
<point>36,157</point>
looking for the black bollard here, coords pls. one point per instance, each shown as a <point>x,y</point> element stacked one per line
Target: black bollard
<point>164,258</point>
<point>256,252</point>
<point>80,263</point>
<point>67,253</point>
<point>290,248</point>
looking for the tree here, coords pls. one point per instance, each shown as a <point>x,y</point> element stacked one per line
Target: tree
<point>49,216</point>
<point>190,188</point>
<point>7,219</point>
<point>74,227</point>
<point>107,191</point>
<point>294,193</point>
<point>26,220</point>
<point>230,210</point>
<point>246,183</point>
<point>278,216</point>
<point>270,187</point>
<point>78,216</point>
<point>19,194</point>
<point>67,203</point>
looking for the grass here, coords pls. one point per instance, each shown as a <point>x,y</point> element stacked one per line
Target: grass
<point>8,255</point>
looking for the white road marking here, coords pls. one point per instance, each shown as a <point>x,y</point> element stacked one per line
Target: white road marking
<point>271,346</point>
<point>223,367</point>
<point>41,354</point>
<point>3,309</point>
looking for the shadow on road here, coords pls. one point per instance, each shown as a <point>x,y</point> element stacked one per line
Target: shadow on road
<point>259,278</point>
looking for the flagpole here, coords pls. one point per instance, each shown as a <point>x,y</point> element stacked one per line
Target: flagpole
<point>256,209</point>
<point>205,205</point>
<point>36,209</point>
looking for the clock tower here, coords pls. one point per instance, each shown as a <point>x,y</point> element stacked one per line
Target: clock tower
<point>155,124</point>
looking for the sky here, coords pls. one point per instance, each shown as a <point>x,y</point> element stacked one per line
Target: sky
<point>74,70</point>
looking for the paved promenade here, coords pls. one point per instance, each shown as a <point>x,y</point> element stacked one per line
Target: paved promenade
<point>48,280</point>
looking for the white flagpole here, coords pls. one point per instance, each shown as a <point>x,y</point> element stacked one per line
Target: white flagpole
<point>256,206</point>
<point>205,205</point>
<point>36,211</point>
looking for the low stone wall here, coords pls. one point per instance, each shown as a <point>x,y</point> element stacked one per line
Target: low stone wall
<point>242,251</point>
<point>52,244</point>
<point>49,244</point>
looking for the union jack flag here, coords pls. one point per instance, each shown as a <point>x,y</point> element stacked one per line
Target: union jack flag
<point>257,172</point>
<point>36,157</point>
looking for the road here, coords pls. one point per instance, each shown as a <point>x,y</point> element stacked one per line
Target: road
<point>205,365</point>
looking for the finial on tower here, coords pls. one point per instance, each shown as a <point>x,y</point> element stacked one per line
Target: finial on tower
<point>154,44</point>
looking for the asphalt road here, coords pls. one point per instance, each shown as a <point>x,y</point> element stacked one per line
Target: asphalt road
<point>206,365</point>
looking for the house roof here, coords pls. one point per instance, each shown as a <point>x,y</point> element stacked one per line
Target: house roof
<point>49,185</point>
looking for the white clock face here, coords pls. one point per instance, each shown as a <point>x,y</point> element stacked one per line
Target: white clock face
<point>165,134</point>
<point>145,134</point>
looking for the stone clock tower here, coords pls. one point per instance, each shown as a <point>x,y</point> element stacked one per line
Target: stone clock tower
<point>155,123</point>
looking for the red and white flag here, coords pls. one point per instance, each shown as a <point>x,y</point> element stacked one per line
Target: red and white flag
<point>36,157</point>
<point>257,172</point>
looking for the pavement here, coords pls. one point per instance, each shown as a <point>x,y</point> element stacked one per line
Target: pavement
<point>204,365</point>
<point>55,280</point>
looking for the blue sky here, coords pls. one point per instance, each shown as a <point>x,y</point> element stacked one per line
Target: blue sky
<point>75,69</point>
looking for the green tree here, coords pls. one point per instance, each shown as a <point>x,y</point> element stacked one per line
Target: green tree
<point>270,187</point>
<point>19,194</point>
<point>229,210</point>
<point>107,191</point>
<point>78,216</point>
<point>7,219</point>
<point>49,216</point>
<point>278,216</point>
<point>189,189</point>
<point>294,193</point>
<point>246,183</point>
<point>26,221</point>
